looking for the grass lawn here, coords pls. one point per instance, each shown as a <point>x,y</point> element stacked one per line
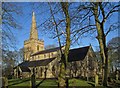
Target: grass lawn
<point>47,82</point>
<point>18,82</point>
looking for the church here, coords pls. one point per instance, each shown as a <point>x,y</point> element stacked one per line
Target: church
<point>82,61</point>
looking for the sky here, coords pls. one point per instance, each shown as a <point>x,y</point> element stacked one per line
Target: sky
<point>25,21</point>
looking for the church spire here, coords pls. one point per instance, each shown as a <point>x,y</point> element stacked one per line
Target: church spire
<point>33,32</point>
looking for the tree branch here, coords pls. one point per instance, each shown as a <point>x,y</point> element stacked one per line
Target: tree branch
<point>103,12</point>
<point>112,10</point>
<point>56,27</point>
<point>113,26</point>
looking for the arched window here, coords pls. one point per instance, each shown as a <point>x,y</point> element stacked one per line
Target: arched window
<point>37,47</point>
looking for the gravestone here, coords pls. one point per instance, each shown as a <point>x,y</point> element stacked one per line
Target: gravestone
<point>117,76</point>
<point>96,80</point>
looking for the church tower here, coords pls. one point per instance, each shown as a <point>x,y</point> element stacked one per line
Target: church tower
<point>33,44</point>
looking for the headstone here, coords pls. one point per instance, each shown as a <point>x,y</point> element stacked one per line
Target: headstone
<point>96,80</point>
<point>117,75</point>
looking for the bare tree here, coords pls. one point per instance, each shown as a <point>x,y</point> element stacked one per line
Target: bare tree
<point>9,61</point>
<point>113,52</point>
<point>9,23</point>
<point>64,58</point>
<point>68,22</point>
<point>99,13</point>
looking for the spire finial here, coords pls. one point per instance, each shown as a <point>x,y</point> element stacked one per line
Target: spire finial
<point>33,13</point>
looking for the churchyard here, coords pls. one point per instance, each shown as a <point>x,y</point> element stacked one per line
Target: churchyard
<point>48,83</point>
<point>61,44</point>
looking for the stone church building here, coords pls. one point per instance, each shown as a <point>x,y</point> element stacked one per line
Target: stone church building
<point>82,61</point>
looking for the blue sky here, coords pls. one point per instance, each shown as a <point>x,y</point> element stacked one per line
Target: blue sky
<point>25,21</point>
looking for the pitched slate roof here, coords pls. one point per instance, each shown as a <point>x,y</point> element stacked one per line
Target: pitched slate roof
<point>46,51</point>
<point>78,54</point>
<point>36,63</point>
<point>74,55</point>
<point>25,69</point>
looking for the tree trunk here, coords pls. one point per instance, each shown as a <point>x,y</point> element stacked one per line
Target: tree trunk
<point>33,79</point>
<point>61,77</point>
<point>63,81</point>
<point>102,44</point>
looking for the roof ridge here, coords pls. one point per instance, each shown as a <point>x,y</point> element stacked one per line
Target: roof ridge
<point>46,50</point>
<point>81,47</point>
